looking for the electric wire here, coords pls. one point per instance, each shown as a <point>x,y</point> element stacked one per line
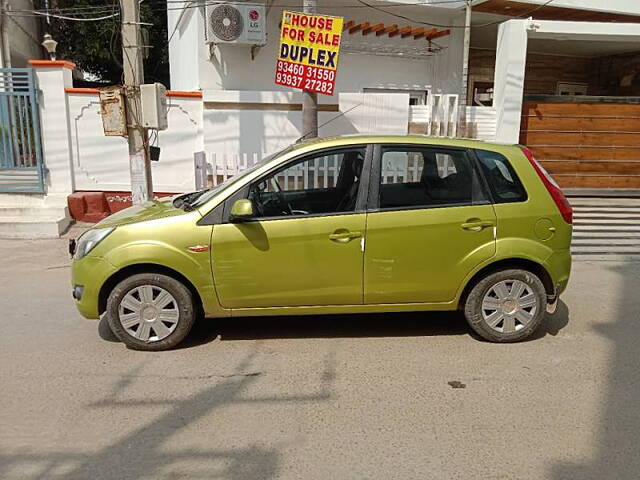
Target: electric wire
<point>363,4</point>
<point>496,22</point>
<point>103,8</point>
<point>74,19</point>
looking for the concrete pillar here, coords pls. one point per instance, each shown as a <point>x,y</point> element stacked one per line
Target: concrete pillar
<point>511,60</point>
<point>53,77</point>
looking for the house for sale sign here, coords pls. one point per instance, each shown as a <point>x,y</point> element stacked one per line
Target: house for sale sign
<point>308,52</point>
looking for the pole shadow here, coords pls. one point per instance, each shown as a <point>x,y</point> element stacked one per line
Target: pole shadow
<point>143,453</point>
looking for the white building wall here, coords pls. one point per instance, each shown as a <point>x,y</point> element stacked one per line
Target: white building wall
<point>511,60</point>
<point>229,67</point>
<point>186,27</point>
<point>228,77</point>
<point>233,122</point>
<point>102,163</point>
<point>55,121</point>
<point>263,122</point>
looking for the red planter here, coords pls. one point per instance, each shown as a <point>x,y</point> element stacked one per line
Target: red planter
<point>92,207</point>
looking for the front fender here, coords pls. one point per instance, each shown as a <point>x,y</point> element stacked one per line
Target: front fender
<point>194,266</point>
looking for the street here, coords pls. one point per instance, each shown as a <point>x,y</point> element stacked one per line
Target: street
<point>399,396</point>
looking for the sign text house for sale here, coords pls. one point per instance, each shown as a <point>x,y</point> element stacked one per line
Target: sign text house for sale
<point>308,54</point>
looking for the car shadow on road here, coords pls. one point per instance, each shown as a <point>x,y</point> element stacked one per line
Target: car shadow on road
<point>408,324</point>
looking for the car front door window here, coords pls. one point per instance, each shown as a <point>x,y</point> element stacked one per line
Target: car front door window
<point>318,185</point>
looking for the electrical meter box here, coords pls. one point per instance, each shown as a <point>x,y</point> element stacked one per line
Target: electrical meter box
<point>112,111</point>
<point>153,99</point>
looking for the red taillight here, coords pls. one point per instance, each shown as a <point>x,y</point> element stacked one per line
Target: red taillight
<point>554,190</point>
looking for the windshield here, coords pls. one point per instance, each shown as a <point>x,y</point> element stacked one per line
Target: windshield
<point>206,195</point>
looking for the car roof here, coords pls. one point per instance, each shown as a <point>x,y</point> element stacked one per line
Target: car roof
<point>355,139</point>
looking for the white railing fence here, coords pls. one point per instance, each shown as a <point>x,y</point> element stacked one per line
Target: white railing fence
<point>323,171</point>
<point>439,117</point>
<point>222,166</point>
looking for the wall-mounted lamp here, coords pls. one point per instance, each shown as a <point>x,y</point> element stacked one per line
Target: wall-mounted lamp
<point>50,46</point>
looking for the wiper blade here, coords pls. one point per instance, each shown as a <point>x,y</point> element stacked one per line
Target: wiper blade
<point>186,200</point>
<point>178,202</point>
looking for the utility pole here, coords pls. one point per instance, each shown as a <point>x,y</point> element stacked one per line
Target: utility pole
<point>462,124</point>
<point>5,52</point>
<point>132,63</point>
<point>309,99</point>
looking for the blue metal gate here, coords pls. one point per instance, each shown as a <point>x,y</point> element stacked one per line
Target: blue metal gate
<point>21,168</point>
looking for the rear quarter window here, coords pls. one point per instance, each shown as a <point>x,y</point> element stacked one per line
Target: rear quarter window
<point>502,179</point>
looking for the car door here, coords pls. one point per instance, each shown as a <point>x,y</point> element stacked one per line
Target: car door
<point>429,223</point>
<point>304,244</point>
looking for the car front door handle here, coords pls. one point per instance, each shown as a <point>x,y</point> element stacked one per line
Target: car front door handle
<point>475,225</point>
<point>344,236</point>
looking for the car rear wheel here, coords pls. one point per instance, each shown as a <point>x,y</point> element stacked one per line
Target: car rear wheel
<point>150,311</point>
<point>506,306</point>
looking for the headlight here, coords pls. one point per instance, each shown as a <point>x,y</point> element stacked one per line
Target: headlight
<point>90,239</point>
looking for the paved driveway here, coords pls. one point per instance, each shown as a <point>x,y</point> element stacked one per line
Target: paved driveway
<point>343,397</point>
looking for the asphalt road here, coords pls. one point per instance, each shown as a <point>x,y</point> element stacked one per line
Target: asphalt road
<point>342,397</point>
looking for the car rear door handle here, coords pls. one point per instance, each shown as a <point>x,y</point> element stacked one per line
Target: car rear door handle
<point>344,236</point>
<point>475,224</point>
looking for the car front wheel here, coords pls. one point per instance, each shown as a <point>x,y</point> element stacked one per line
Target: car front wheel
<point>150,311</point>
<point>506,306</point>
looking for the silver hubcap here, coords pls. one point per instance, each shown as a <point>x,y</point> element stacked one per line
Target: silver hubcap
<point>509,306</point>
<point>149,313</point>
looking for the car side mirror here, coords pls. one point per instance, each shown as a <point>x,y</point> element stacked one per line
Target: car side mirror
<point>241,210</point>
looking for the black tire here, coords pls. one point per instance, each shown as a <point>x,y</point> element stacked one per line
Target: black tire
<point>183,302</point>
<point>474,313</point>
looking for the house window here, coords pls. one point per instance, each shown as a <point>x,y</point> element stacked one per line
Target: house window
<point>571,89</point>
<point>482,94</point>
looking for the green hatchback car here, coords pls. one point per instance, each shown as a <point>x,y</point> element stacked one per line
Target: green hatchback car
<point>351,224</point>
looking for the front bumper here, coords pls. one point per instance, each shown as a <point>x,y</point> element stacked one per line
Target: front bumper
<point>88,275</point>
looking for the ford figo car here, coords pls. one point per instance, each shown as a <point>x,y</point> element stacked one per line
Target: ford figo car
<point>350,224</point>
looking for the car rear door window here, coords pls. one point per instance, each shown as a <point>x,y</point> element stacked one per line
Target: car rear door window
<point>501,177</point>
<point>415,177</point>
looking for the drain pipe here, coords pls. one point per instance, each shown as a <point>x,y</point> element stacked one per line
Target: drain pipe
<point>5,52</point>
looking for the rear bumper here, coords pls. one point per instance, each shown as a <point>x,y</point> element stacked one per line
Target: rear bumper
<point>88,275</point>
<point>559,267</point>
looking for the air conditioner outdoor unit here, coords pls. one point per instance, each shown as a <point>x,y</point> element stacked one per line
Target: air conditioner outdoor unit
<point>236,23</point>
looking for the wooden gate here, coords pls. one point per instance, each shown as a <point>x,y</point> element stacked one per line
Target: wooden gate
<point>586,143</point>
